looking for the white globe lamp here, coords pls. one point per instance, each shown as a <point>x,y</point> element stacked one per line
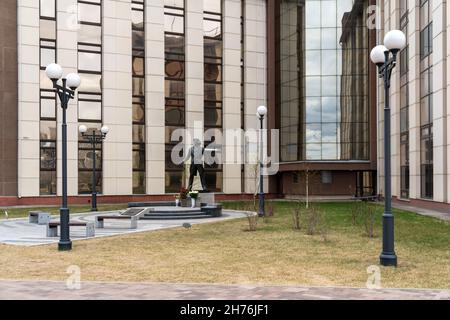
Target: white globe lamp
<point>395,40</point>
<point>82,129</point>
<point>105,130</point>
<point>54,71</point>
<point>262,111</point>
<point>73,81</point>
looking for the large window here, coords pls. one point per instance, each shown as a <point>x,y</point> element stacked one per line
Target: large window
<point>404,106</point>
<point>213,97</point>
<point>322,96</point>
<point>138,63</point>
<point>47,136</point>
<point>426,100</point>
<point>175,113</point>
<point>90,91</point>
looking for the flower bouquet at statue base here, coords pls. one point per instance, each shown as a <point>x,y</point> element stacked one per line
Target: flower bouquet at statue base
<point>183,196</point>
<point>193,195</point>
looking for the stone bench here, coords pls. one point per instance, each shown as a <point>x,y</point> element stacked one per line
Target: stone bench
<point>39,217</point>
<point>100,220</point>
<point>132,214</point>
<point>52,228</point>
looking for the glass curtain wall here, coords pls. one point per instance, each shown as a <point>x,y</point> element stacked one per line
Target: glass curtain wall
<point>213,88</point>
<point>426,99</point>
<point>90,91</point>
<point>48,131</point>
<point>138,87</point>
<point>243,91</point>
<point>323,71</point>
<point>175,112</point>
<point>290,65</point>
<point>352,112</point>
<point>404,106</point>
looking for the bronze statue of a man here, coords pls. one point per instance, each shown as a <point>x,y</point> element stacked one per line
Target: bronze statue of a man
<point>196,154</point>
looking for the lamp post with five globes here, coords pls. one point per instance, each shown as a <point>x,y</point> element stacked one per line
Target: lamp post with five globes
<point>385,57</point>
<point>94,138</point>
<point>65,91</point>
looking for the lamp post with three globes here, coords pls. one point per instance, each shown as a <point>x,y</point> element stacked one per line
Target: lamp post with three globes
<point>66,91</point>
<point>94,138</point>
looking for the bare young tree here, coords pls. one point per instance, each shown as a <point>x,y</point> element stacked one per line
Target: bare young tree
<point>309,182</point>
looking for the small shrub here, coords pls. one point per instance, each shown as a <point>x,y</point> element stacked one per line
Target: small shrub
<point>296,217</point>
<point>313,220</point>
<point>357,212</point>
<point>252,218</point>
<point>322,228</point>
<point>369,221</point>
<point>270,211</point>
<point>364,214</point>
<point>251,206</point>
<point>324,231</point>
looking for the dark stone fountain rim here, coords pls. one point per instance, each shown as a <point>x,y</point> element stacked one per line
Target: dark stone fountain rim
<point>151,204</point>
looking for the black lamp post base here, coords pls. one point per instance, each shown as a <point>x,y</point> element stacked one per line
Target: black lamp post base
<point>262,210</point>
<point>388,259</point>
<point>94,210</point>
<point>65,246</point>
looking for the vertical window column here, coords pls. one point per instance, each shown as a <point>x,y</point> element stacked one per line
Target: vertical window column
<point>48,131</point>
<point>243,92</point>
<point>138,30</point>
<point>175,112</point>
<point>426,100</point>
<point>404,106</point>
<point>289,63</point>
<point>90,91</point>
<point>213,98</point>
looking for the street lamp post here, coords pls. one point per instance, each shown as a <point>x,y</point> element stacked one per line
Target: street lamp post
<point>385,57</point>
<point>262,111</point>
<point>65,91</point>
<point>94,138</point>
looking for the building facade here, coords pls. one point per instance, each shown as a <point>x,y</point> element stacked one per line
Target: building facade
<point>8,99</point>
<point>419,96</point>
<point>151,67</point>
<point>325,98</point>
<point>147,68</point>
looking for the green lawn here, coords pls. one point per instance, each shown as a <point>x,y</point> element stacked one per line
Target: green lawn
<point>225,252</point>
<point>411,229</point>
<point>23,212</point>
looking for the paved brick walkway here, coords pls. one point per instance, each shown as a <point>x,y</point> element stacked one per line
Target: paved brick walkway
<point>425,212</point>
<point>24,290</point>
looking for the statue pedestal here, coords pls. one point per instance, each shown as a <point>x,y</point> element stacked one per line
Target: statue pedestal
<point>207,198</point>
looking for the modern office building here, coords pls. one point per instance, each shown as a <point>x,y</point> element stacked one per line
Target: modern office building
<point>149,67</point>
<point>419,97</point>
<point>325,97</point>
